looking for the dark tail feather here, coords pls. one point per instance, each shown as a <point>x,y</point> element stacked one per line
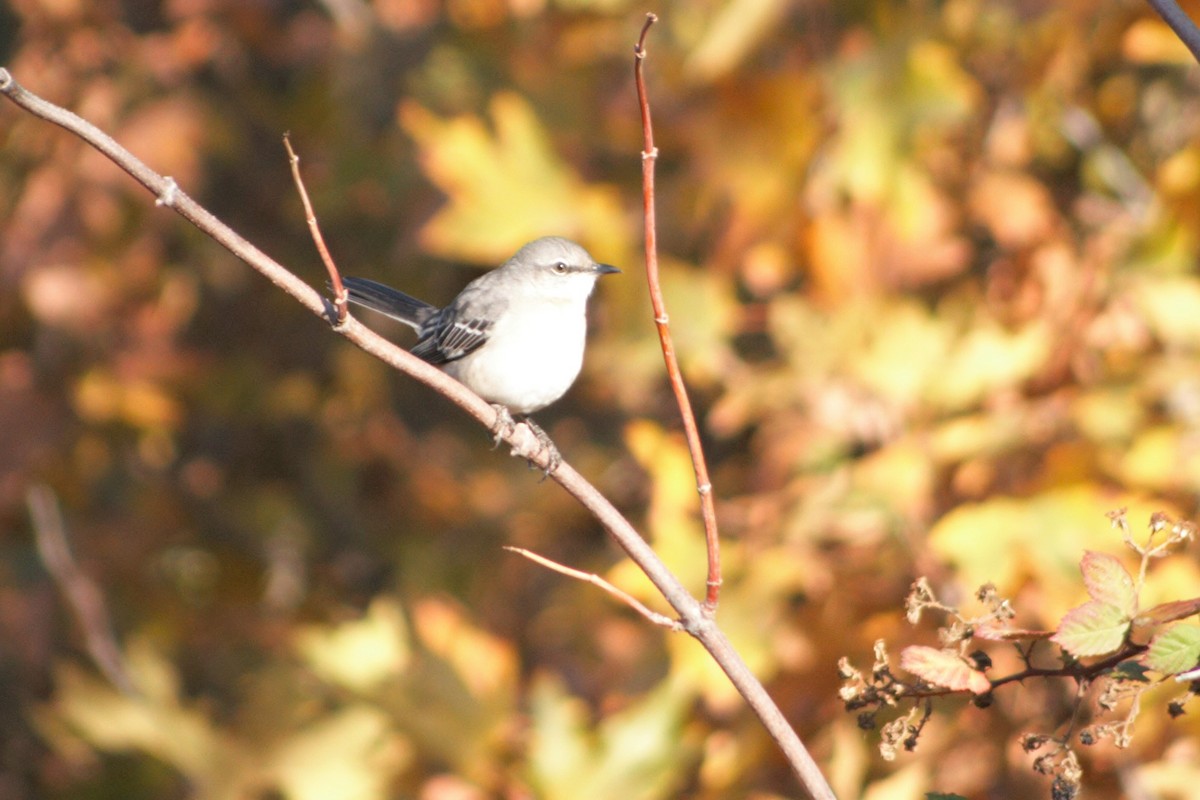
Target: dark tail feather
<point>389,301</point>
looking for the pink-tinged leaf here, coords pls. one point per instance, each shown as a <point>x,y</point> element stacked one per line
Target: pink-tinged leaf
<point>944,669</point>
<point>1147,623</point>
<point>1092,629</point>
<point>1163,613</point>
<point>1175,651</point>
<point>1107,581</point>
<point>997,633</point>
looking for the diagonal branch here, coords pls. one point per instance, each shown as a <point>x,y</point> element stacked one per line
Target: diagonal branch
<point>1180,23</point>
<point>692,616</point>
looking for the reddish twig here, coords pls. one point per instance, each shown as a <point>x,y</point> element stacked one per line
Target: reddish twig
<point>708,511</point>
<point>590,577</point>
<point>340,298</point>
<point>85,600</point>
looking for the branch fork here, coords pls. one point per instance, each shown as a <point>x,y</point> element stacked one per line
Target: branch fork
<point>694,617</point>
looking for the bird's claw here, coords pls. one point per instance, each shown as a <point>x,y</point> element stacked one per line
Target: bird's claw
<point>553,457</point>
<point>504,425</point>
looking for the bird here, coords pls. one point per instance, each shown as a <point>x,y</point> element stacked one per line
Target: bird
<point>515,335</point>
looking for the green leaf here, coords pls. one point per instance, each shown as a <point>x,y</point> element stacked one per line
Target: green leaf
<point>1175,651</point>
<point>1131,671</point>
<point>1092,629</point>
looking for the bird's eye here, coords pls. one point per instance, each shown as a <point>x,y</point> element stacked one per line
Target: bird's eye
<point>560,268</point>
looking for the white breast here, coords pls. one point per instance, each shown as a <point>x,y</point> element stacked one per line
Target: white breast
<point>530,359</point>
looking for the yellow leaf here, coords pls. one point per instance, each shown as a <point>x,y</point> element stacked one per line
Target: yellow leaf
<point>505,186</point>
<point>155,722</point>
<point>351,755</point>
<point>1108,414</point>
<point>1171,579</point>
<point>907,350</point>
<point>673,524</point>
<point>1007,540</point>
<point>752,616</point>
<point>734,30</point>
<point>485,663</point>
<point>360,654</point>
<point>904,784</point>
<point>1179,174</point>
<point>703,313</point>
<point>635,754</point>
<point>987,359</point>
<point>1171,306</point>
<point>1150,41</point>
<point>1161,458</point>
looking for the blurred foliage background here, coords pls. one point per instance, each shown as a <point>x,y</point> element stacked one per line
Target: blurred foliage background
<point>931,270</point>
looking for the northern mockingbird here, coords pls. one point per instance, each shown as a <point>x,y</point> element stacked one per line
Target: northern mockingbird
<point>514,336</point>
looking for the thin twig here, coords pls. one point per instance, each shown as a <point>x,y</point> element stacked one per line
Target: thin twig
<point>656,618</point>
<point>85,600</point>
<point>662,321</point>
<point>340,298</point>
<point>1080,673</point>
<point>692,615</point>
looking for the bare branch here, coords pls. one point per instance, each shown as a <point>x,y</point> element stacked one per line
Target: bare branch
<point>1179,22</point>
<point>693,616</point>
<point>340,298</point>
<point>662,321</point>
<point>590,577</point>
<point>85,600</point>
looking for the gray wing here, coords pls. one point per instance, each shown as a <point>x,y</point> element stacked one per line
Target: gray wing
<point>460,328</point>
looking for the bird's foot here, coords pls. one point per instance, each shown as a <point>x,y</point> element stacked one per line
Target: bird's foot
<point>504,425</point>
<point>553,458</point>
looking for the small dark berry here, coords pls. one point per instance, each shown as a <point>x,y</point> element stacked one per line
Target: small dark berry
<point>1063,789</point>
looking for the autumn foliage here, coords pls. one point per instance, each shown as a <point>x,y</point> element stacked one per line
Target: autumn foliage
<point>931,276</point>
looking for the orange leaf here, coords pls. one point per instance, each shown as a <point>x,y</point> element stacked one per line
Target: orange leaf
<point>944,669</point>
<point>996,633</point>
<point>1169,612</point>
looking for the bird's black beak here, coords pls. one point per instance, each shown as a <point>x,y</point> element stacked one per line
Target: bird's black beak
<point>605,269</point>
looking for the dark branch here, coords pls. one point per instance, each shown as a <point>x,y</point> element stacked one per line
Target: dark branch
<point>1179,22</point>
